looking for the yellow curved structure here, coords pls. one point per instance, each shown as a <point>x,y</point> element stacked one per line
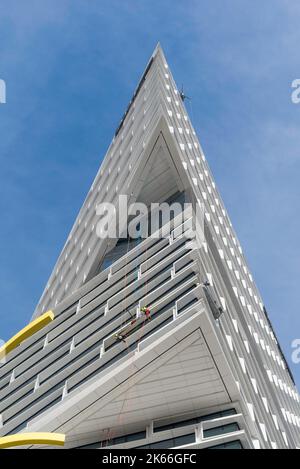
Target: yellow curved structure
<point>27,332</point>
<point>21,439</point>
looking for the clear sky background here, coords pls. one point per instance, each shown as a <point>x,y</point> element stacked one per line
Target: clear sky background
<point>71,67</point>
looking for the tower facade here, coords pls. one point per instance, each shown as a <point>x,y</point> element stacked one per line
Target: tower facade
<point>160,340</point>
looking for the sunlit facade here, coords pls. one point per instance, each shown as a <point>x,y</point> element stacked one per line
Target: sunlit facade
<point>205,370</point>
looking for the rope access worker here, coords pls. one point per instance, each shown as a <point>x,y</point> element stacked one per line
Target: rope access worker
<point>120,337</point>
<point>146,312</point>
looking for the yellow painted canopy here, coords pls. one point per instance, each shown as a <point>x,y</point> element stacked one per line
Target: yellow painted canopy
<point>25,333</point>
<point>21,439</point>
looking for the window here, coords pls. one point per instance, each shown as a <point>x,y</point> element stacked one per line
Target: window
<point>230,445</point>
<point>171,442</point>
<point>116,441</point>
<point>193,421</point>
<point>231,427</point>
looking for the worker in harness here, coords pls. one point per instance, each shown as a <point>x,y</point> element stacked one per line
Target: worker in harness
<point>146,312</point>
<point>120,337</point>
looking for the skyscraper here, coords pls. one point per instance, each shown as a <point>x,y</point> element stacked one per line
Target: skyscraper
<point>156,341</point>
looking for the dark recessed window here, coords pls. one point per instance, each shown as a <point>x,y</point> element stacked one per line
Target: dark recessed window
<point>181,422</point>
<point>230,445</point>
<point>230,427</point>
<point>171,442</point>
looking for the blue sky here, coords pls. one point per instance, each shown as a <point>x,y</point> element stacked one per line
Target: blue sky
<point>70,68</point>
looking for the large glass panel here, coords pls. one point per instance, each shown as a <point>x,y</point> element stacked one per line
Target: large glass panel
<point>230,445</point>
<point>182,422</point>
<point>116,441</point>
<point>230,427</point>
<point>171,442</point>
